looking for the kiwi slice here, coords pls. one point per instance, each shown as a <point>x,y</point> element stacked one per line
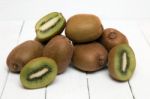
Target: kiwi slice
<point>60,49</point>
<point>22,54</point>
<point>82,28</point>
<point>121,62</point>
<point>49,26</point>
<point>112,37</point>
<point>89,57</point>
<point>38,73</point>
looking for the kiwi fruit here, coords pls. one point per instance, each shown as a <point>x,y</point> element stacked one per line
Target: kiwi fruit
<point>82,28</point>
<point>60,49</point>
<point>49,26</point>
<point>43,43</point>
<point>112,37</point>
<point>23,53</point>
<point>89,57</point>
<point>38,73</point>
<point>121,62</point>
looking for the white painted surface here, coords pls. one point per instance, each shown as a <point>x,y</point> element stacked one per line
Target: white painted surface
<point>34,9</point>
<point>75,84</point>
<point>13,88</point>
<point>140,80</point>
<point>70,85</point>
<point>102,86</point>
<point>144,26</point>
<point>9,31</point>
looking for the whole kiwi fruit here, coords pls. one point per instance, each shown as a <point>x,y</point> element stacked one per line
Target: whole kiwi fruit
<point>83,28</point>
<point>89,57</point>
<point>121,62</point>
<point>38,73</point>
<point>23,53</point>
<point>60,49</point>
<point>112,37</point>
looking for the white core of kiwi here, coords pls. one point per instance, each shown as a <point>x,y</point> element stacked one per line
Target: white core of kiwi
<point>124,62</point>
<point>49,23</point>
<point>39,73</point>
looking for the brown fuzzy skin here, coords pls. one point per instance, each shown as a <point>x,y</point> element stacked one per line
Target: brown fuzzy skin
<point>83,28</point>
<point>22,54</point>
<point>112,37</point>
<point>89,57</point>
<point>60,49</point>
<point>111,61</point>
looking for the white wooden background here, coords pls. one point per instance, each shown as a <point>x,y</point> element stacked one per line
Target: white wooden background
<point>132,17</point>
<point>74,84</point>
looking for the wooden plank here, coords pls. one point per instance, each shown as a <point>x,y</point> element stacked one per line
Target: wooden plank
<point>71,84</point>
<point>100,83</point>
<point>9,31</point>
<point>141,80</point>
<point>144,29</point>
<point>102,86</point>
<point>14,89</point>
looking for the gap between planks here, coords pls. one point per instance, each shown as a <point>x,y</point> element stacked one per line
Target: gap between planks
<point>8,72</point>
<point>45,92</point>
<point>88,87</point>
<point>143,35</point>
<point>131,90</point>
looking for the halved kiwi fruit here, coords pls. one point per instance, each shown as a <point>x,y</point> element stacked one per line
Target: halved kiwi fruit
<point>121,62</point>
<point>49,26</point>
<point>89,57</point>
<point>112,37</point>
<point>22,54</point>
<point>38,73</point>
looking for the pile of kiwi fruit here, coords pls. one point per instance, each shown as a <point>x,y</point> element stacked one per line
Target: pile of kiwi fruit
<point>87,46</point>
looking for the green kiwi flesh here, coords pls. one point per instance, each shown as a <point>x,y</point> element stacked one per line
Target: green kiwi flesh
<point>121,62</point>
<point>60,49</point>
<point>49,26</point>
<point>82,28</point>
<point>38,73</point>
<point>22,54</point>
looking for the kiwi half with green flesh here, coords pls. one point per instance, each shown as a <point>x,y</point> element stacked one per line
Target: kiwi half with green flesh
<point>60,49</point>
<point>49,26</point>
<point>43,43</point>
<point>23,53</point>
<point>89,57</point>
<point>121,62</point>
<point>82,28</point>
<point>38,73</point>
<point>112,37</point>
